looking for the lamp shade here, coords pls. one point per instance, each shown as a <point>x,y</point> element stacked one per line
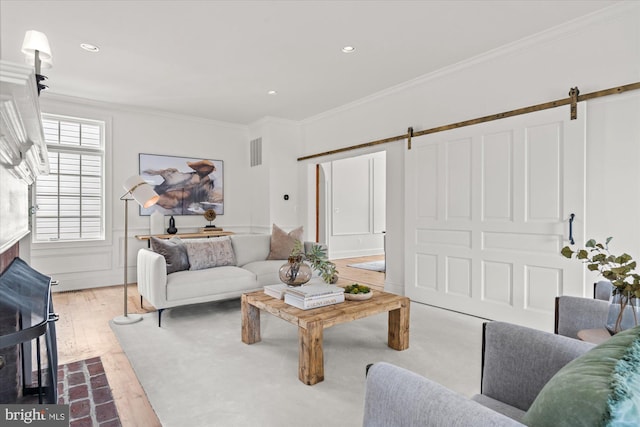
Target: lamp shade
<point>141,191</point>
<point>35,40</point>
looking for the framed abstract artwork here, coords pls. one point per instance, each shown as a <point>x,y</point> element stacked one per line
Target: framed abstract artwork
<point>186,185</point>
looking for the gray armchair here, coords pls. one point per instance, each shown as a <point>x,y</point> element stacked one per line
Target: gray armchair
<point>516,363</point>
<point>574,313</point>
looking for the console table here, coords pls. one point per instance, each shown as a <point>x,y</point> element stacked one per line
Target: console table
<point>216,233</point>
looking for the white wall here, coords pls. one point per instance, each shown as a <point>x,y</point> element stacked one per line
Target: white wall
<point>130,132</point>
<point>594,53</point>
<point>276,177</point>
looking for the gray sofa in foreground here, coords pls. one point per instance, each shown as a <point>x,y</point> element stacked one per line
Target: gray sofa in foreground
<point>516,363</point>
<point>574,313</point>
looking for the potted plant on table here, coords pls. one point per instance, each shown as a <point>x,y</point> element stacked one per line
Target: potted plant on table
<point>621,272</point>
<point>317,257</point>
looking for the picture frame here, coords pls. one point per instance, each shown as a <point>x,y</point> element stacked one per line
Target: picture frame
<point>186,185</point>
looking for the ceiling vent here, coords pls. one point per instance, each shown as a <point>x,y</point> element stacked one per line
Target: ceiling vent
<point>256,152</point>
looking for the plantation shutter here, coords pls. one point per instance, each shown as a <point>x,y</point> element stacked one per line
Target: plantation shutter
<point>70,199</point>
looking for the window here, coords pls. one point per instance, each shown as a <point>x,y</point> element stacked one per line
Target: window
<point>70,199</point>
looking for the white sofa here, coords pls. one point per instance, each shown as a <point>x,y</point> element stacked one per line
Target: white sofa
<point>251,273</point>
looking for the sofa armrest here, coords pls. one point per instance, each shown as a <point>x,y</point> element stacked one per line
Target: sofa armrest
<point>575,313</point>
<point>518,361</point>
<point>397,397</point>
<point>152,277</point>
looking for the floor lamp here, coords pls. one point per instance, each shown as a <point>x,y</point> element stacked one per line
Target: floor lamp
<point>138,190</point>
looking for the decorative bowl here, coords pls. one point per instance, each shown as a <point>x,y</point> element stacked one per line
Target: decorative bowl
<point>358,297</point>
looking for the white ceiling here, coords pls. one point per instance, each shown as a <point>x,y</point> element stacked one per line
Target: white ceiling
<point>218,59</point>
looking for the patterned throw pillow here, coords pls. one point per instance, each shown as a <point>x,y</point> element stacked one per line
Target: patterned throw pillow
<point>173,252</point>
<point>282,243</point>
<point>208,253</point>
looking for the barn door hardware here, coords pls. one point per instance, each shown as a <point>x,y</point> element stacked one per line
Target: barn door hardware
<point>573,94</point>
<point>572,100</point>
<point>409,135</point>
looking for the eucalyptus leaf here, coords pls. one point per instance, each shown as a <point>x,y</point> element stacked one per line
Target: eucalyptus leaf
<point>567,252</point>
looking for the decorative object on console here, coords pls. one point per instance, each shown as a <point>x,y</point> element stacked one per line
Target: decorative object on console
<point>624,309</point>
<point>210,215</point>
<point>143,194</point>
<point>295,271</point>
<point>38,53</point>
<point>172,226</point>
<point>186,186</point>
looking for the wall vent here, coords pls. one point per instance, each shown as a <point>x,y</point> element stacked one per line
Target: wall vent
<point>256,152</point>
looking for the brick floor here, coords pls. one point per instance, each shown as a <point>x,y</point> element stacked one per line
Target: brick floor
<point>84,387</point>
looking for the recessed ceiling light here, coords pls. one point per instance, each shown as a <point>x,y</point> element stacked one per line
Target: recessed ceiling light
<point>89,47</point>
<point>348,49</point>
<point>272,92</point>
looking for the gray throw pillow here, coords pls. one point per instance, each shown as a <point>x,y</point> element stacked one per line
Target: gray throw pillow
<point>173,251</point>
<point>209,253</point>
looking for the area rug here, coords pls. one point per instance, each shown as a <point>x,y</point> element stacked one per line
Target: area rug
<point>372,265</point>
<point>84,387</point>
<point>196,371</point>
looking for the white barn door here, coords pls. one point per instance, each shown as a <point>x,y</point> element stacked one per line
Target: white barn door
<point>487,211</point>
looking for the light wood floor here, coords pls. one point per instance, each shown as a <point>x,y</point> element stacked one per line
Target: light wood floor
<point>83,332</point>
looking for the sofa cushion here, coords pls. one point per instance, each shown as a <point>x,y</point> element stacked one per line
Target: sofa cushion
<point>601,387</point>
<point>250,247</point>
<point>200,284</point>
<point>282,243</point>
<point>266,271</point>
<point>209,253</point>
<point>173,251</point>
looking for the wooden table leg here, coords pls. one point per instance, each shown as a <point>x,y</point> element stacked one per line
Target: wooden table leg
<point>398,338</point>
<point>310,357</point>
<point>250,322</point>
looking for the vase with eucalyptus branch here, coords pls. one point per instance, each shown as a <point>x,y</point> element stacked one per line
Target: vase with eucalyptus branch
<point>318,258</point>
<point>620,270</point>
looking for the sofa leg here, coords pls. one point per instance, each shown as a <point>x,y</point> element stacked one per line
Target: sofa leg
<point>160,316</point>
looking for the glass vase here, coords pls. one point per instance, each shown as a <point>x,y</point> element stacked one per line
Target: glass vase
<point>624,312</point>
<point>295,272</point>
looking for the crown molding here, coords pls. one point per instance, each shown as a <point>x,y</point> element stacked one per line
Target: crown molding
<point>615,11</point>
<point>114,107</point>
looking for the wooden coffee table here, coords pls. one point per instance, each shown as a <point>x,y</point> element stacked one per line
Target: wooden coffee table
<point>311,324</point>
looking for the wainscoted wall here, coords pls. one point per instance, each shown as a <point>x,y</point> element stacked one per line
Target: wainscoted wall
<point>128,133</point>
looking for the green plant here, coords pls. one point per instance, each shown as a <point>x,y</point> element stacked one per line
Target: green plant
<point>356,288</point>
<point>317,257</point>
<point>618,269</point>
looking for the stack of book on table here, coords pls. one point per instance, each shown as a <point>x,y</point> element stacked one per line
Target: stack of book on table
<point>276,291</point>
<point>210,229</point>
<point>313,295</point>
